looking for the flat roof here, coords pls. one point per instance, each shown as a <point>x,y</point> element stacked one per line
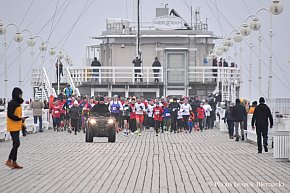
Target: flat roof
<point>154,36</point>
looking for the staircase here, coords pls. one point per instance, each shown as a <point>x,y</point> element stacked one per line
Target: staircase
<point>44,88</point>
<point>41,84</point>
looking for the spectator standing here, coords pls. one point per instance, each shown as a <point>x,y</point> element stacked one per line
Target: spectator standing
<point>14,125</point>
<point>156,63</point>
<point>225,63</point>
<point>260,119</point>
<point>37,106</point>
<point>59,70</point>
<point>137,64</point>
<point>96,63</point>
<point>239,113</point>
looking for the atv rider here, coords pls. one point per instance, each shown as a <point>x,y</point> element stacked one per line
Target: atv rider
<point>101,108</point>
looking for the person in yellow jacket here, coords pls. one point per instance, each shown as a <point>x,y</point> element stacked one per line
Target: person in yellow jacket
<point>14,125</point>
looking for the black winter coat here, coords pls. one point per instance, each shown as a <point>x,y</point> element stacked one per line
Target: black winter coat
<point>100,109</point>
<point>239,112</point>
<point>229,114</point>
<point>75,112</point>
<point>261,115</point>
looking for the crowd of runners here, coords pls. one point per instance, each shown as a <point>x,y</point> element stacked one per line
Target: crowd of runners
<point>136,114</point>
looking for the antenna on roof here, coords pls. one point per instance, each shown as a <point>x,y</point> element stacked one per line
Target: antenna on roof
<point>164,4</point>
<point>197,17</point>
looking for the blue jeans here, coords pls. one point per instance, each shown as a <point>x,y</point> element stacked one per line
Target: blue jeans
<point>190,125</point>
<point>40,121</point>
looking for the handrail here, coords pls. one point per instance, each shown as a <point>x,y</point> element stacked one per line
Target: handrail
<point>126,74</point>
<point>51,90</point>
<point>71,82</point>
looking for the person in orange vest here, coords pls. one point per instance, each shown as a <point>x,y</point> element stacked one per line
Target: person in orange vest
<point>15,123</point>
<point>252,108</point>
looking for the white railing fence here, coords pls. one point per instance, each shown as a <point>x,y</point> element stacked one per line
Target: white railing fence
<point>71,82</point>
<point>29,122</point>
<point>114,74</point>
<point>126,74</point>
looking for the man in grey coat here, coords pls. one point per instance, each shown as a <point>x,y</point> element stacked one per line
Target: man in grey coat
<point>37,107</point>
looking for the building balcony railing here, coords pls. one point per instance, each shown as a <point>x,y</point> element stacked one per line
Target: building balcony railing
<point>132,75</point>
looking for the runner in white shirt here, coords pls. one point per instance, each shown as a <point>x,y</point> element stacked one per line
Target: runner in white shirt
<point>185,109</point>
<point>150,115</point>
<point>139,111</point>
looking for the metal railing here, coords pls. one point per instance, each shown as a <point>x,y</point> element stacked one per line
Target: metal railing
<point>280,106</point>
<point>210,74</point>
<point>41,81</point>
<point>115,74</point>
<point>128,74</point>
<point>71,82</point>
<point>47,84</point>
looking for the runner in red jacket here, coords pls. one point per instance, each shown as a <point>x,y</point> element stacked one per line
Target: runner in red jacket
<point>157,112</point>
<point>200,116</point>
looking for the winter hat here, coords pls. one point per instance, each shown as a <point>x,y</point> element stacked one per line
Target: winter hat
<point>76,102</point>
<point>262,100</point>
<point>16,92</point>
<point>238,101</point>
<point>101,98</point>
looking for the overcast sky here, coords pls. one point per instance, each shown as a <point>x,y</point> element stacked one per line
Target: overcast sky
<point>70,23</point>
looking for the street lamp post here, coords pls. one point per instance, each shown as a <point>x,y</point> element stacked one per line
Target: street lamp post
<point>18,37</point>
<point>275,9</point>
<point>3,29</point>
<point>244,30</point>
<point>255,25</point>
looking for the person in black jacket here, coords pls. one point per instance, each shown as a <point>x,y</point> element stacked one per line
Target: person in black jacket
<point>15,125</point>
<point>239,111</point>
<point>101,108</point>
<point>75,115</point>
<point>96,63</point>
<point>229,119</point>
<point>174,107</point>
<point>156,63</point>
<point>260,119</point>
<point>137,63</point>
